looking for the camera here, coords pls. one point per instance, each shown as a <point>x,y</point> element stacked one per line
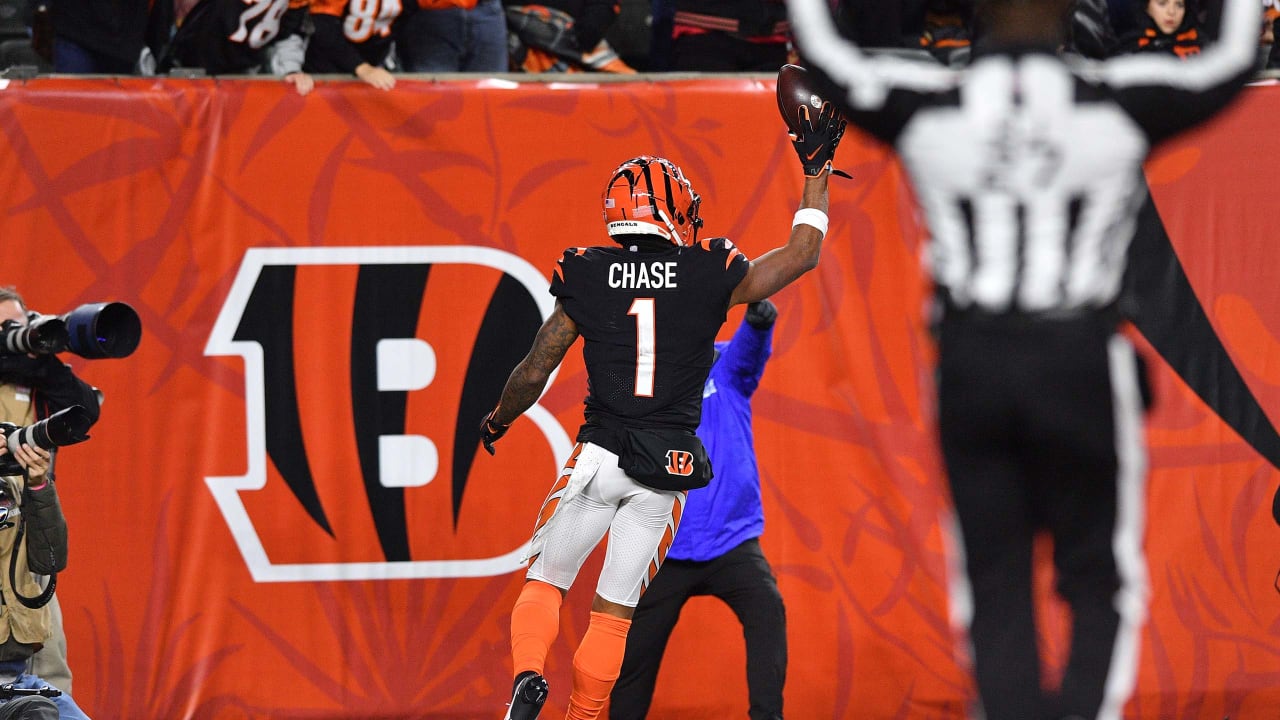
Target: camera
<point>42,335</point>
<point>94,330</point>
<point>65,427</point>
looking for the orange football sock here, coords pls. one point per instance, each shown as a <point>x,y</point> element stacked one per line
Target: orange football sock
<point>535,622</point>
<point>596,665</point>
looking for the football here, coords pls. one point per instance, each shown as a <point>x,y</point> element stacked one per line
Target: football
<point>795,90</point>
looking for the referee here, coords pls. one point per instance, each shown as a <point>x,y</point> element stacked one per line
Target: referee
<point>1028,168</point>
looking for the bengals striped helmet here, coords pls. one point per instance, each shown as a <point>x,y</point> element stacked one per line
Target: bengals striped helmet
<point>649,195</point>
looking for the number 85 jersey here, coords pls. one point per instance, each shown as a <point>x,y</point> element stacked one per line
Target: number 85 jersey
<point>648,320</point>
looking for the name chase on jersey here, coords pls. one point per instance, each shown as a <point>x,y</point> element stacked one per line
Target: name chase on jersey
<point>640,275</point>
<point>647,321</point>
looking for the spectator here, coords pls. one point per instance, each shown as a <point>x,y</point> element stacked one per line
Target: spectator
<point>354,37</point>
<point>717,551</point>
<point>31,386</point>
<point>948,28</point>
<point>454,36</point>
<point>226,37</point>
<point>1020,161</point>
<point>637,453</point>
<point>563,36</point>
<point>1270,57</point>
<point>730,36</point>
<point>1164,26</point>
<point>108,38</point>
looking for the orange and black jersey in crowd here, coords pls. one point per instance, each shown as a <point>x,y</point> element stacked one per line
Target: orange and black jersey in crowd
<point>1184,42</point>
<point>350,32</point>
<point>231,36</point>
<point>648,321</point>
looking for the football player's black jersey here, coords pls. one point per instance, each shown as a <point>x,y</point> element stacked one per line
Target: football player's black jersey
<point>648,321</point>
<point>227,37</point>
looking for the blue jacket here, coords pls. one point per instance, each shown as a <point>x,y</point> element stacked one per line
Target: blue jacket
<point>727,512</point>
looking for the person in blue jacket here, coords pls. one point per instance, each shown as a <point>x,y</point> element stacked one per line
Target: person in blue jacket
<point>717,550</point>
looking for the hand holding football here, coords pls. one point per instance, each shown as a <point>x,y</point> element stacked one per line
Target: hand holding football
<point>814,124</point>
<point>796,92</point>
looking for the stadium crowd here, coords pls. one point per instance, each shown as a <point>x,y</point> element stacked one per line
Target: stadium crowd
<point>376,41</point>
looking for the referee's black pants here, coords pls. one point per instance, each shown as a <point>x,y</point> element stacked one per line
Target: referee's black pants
<point>1040,425</point>
<point>741,578</point>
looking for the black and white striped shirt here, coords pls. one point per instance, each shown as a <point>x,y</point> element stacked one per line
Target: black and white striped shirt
<point>1028,166</point>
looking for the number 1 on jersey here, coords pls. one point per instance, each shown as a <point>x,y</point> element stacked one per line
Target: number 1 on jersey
<point>646,345</point>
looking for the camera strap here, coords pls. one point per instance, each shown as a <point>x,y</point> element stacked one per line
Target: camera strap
<point>38,601</point>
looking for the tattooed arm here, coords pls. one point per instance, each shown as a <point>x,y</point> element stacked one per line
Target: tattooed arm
<point>530,377</point>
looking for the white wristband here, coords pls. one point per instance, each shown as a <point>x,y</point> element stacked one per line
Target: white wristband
<point>812,217</point>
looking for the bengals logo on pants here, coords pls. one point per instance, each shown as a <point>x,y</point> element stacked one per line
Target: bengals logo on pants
<point>366,373</point>
<point>680,462</point>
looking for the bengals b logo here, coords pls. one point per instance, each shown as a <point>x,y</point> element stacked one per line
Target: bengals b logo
<point>680,462</point>
<point>366,373</point>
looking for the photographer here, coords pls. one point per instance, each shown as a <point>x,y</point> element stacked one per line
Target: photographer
<point>33,387</point>
<point>42,547</point>
<point>42,382</point>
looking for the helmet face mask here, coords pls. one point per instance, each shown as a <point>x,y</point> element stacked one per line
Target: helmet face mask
<point>649,195</point>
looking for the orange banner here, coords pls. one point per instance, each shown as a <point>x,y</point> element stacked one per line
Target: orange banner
<point>282,512</point>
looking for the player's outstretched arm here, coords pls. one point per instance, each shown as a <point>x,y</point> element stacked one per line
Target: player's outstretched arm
<point>530,376</point>
<point>777,268</point>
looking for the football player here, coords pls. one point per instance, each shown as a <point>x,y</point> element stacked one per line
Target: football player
<point>648,309</point>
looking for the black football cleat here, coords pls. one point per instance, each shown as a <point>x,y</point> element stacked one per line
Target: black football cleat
<point>528,693</point>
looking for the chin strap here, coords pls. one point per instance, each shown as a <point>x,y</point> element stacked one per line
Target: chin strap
<point>675,236</point>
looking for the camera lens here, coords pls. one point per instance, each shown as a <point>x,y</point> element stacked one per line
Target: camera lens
<point>44,335</point>
<point>103,330</point>
<point>65,427</point>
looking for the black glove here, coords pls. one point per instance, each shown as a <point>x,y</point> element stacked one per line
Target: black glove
<point>817,144</point>
<point>491,431</point>
<point>761,315</point>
